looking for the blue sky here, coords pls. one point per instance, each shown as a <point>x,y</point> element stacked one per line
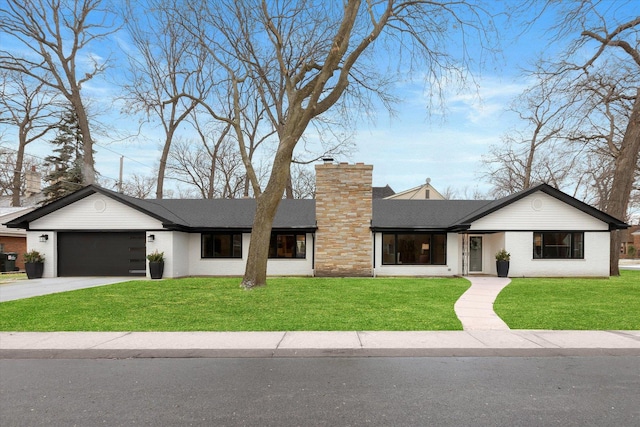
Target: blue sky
<point>445,144</point>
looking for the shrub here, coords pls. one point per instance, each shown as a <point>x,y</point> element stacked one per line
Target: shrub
<point>33,256</point>
<point>503,255</point>
<point>156,256</point>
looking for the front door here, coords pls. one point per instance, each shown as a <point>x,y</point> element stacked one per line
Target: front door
<point>475,254</point>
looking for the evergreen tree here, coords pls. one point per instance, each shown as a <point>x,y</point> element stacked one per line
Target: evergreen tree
<point>65,176</point>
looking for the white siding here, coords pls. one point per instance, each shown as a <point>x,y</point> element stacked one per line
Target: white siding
<point>47,249</point>
<point>235,266</point>
<point>174,244</point>
<point>538,211</point>
<point>453,266</point>
<point>96,212</point>
<point>594,264</point>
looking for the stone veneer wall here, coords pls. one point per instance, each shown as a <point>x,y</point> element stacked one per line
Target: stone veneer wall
<point>344,242</point>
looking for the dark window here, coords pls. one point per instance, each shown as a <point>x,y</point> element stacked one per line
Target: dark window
<point>285,245</point>
<point>415,248</point>
<point>558,245</point>
<point>221,245</point>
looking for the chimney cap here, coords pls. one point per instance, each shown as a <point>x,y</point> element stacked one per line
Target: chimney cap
<point>327,159</point>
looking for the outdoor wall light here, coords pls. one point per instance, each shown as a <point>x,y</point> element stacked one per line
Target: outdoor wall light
<point>151,238</point>
<point>43,238</point>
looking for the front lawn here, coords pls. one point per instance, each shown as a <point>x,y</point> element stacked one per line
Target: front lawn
<point>218,304</point>
<point>572,304</point>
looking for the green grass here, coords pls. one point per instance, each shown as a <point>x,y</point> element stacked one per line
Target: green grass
<point>218,304</point>
<point>572,304</point>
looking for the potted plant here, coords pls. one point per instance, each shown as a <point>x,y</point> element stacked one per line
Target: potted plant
<point>156,264</point>
<point>502,262</point>
<point>34,264</point>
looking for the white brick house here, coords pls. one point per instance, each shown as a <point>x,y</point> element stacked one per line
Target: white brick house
<point>343,232</point>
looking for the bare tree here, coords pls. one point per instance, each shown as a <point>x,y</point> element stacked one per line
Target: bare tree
<point>303,61</point>
<point>523,158</point>
<point>49,41</point>
<point>139,186</point>
<point>303,182</point>
<point>613,41</point>
<point>596,82</point>
<point>166,63</point>
<point>32,109</point>
<point>7,171</point>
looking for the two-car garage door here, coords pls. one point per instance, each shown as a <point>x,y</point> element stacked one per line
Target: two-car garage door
<point>101,254</point>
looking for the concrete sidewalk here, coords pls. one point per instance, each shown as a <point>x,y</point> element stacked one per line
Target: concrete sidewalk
<point>317,344</point>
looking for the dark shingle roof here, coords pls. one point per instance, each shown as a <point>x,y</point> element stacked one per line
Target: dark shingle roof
<point>382,192</point>
<point>199,214</point>
<point>425,214</point>
<point>191,213</point>
<point>237,213</point>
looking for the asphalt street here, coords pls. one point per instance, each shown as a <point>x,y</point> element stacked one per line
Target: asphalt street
<point>487,391</point>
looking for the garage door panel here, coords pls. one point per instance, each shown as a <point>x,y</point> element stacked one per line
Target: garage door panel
<point>101,254</point>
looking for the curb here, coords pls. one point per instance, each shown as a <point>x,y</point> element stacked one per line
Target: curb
<point>310,353</point>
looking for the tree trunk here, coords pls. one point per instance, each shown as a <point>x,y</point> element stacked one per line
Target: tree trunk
<point>623,178</point>
<point>163,164</point>
<point>88,165</point>
<point>17,172</point>
<point>266,207</point>
<point>212,173</point>
<point>289,187</point>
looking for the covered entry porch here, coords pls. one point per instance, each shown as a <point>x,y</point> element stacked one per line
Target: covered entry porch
<point>478,252</point>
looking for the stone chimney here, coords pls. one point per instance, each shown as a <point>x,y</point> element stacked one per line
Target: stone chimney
<point>344,242</point>
<point>33,182</point>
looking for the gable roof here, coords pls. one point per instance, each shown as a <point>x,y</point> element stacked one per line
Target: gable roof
<point>189,214</point>
<point>388,214</point>
<point>424,191</point>
<point>614,223</point>
<point>458,215</point>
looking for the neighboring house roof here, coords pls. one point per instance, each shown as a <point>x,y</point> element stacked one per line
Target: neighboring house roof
<point>25,200</point>
<point>382,192</point>
<point>388,214</point>
<point>421,192</point>
<point>8,214</point>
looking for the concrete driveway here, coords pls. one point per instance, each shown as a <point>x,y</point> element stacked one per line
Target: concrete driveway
<point>36,287</point>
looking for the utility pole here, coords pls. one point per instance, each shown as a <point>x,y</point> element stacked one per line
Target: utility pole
<point>120,178</point>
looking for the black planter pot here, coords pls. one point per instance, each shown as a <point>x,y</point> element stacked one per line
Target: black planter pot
<point>156,269</point>
<point>503,268</point>
<point>34,269</point>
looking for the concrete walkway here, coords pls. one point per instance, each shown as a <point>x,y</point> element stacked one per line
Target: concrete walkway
<point>475,307</point>
<point>35,287</point>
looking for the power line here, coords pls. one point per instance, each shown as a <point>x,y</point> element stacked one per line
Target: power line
<point>126,157</point>
<point>98,173</point>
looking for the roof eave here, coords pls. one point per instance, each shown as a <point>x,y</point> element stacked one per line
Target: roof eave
<point>24,220</point>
